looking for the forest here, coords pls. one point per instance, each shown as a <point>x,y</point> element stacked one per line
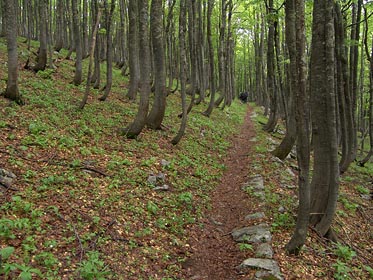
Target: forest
<point>148,139</point>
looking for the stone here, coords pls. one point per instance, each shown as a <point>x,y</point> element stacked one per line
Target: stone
<point>162,188</point>
<point>255,216</point>
<point>161,177</point>
<point>281,209</point>
<point>152,179</point>
<point>276,159</point>
<point>254,139</point>
<point>366,196</point>
<point>165,163</point>
<point>270,268</point>
<point>6,173</point>
<point>254,234</point>
<point>264,250</point>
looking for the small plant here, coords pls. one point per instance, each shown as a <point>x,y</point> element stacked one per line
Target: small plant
<point>341,271</point>
<point>93,267</point>
<point>284,220</point>
<point>152,207</point>
<point>349,205</point>
<point>362,190</point>
<point>185,198</point>
<point>245,247</point>
<point>344,252</point>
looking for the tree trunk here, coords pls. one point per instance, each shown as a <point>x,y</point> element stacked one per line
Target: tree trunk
<point>91,57</point>
<point>157,112</point>
<point>324,186</point>
<point>182,62</point>
<point>138,124</point>
<point>295,36</point>
<point>78,45</point>
<point>109,50</point>
<point>12,91</point>
<point>42,57</point>
<point>211,59</point>
<point>133,46</point>
<point>370,153</point>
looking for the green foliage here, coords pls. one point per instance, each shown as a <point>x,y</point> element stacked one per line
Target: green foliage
<point>341,271</point>
<point>344,252</point>
<point>152,207</point>
<point>6,252</point>
<point>93,268</point>
<point>348,205</point>
<point>245,247</point>
<point>362,189</point>
<point>283,220</point>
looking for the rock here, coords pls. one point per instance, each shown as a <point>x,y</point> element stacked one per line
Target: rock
<point>162,188</point>
<point>281,209</point>
<point>254,115</point>
<point>161,177</point>
<point>276,159</point>
<point>256,183</point>
<point>254,139</point>
<point>291,187</point>
<point>255,216</point>
<point>152,179</point>
<point>270,267</point>
<point>165,163</point>
<point>366,196</point>
<point>253,234</point>
<point>6,173</point>
<point>264,275</point>
<point>264,250</point>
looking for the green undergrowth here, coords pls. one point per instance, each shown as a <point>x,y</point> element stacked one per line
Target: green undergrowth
<point>85,208</point>
<point>350,258</point>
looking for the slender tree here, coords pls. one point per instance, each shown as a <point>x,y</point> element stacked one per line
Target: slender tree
<point>324,185</point>
<point>78,43</point>
<point>135,128</point>
<point>12,91</point>
<point>182,54</point>
<point>157,112</point>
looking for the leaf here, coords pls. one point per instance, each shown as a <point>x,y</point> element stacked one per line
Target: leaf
<point>25,275</point>
<point>6,252</point>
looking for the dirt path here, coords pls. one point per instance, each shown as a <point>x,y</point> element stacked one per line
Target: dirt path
<point>214,253</point>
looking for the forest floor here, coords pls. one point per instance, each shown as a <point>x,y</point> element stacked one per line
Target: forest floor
<point>87,203</point>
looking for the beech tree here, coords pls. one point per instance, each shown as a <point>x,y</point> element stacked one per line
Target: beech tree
<point>12,91</point>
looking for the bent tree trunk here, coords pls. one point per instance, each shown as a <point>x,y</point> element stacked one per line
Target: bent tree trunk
<point>295,36</point>
<point>370,153</point>
<point>157,112</point>
<point>42,57</point>
<point>324,186</point>
<point>134,129</point>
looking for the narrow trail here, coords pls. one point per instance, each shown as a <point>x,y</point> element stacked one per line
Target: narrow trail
<point>214,253</point>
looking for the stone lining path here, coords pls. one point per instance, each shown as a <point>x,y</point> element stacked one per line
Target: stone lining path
<point>260,236</point>
<point>237,204</point>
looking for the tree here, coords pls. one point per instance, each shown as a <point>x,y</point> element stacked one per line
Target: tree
<point>42,56</point>
<point>12,91</point>
<point>182,61</point>
<point>109,48</point>
<point>157,112</point>
<point>211,106</point>
<point>272,121</point>
<point>296,43</point>
<point>134,129</point>
<point>78,45</point>
<point>324,185</point>
<point>133,47</point>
